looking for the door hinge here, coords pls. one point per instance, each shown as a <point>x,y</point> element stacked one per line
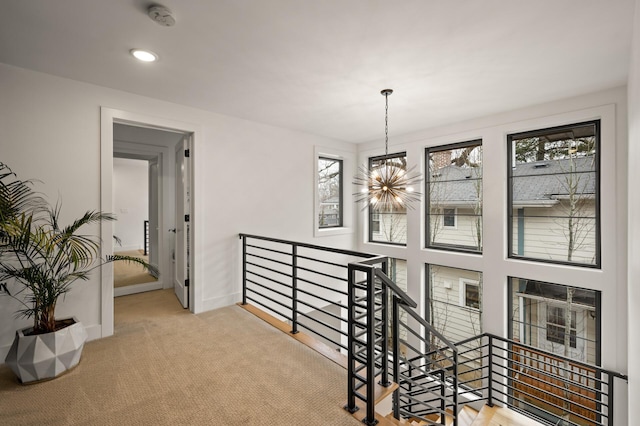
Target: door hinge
<point>186,218</point>
<point>186,283</point>
<point>187,153</point>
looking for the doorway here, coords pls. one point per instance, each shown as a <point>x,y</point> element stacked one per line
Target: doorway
<point>152,141</point>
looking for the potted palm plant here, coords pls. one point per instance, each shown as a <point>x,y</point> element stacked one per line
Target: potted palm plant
<point>40,260</point>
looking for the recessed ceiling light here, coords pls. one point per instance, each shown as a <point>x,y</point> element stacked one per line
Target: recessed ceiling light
<point>144,55</point>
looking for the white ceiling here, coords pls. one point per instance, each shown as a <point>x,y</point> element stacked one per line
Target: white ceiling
<point>318,65</point>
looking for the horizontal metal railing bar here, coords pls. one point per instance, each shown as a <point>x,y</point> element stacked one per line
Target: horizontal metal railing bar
<point>310,330</point>
<point>462,353</point>
<point>578,384</point>
<point>441,354</point>
<point>271,299</point>
<point>329,301</point>
<point>577,363</point>
<point>343,293</point>
<point>272,250</point>
<point>431,329</point>
<point>573,413</point>
<point>269,308</point>
<point>418,402</point>
<point>325,262</point>
<point>269,269</point>
<point>568,401</point>
<point>285,295</point>
<point>330,327</point>
<point>279,262</point>
<point>310,246</point>
<point>273,280</point>
<point>324,274</point>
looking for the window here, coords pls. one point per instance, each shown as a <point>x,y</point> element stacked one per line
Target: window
<point>470,294</point>
<point>450,293</point>
<point>556,325</point>
<point>554,195</point>
<point>329,193</point>
<point>539,318</point>
<point>449,218</point>
<point>391,226</point>
<point>454,197</point>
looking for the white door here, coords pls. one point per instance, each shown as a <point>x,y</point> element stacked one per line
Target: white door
<point>183,211</point>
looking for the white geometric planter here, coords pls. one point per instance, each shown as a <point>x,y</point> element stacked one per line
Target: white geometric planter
<point>45,356</point>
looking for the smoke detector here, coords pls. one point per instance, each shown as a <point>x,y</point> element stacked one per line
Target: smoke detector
<point>162,16</point>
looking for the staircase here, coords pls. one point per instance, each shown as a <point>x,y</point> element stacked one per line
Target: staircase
<point>410,368</point>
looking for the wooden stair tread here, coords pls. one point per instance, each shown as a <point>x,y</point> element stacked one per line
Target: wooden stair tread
<point>466,416</point>
<point>500,416</point>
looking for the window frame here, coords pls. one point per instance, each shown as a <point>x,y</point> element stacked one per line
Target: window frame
<point>371,212</point>
<point>427,200</point>
<point>511,137</point>
<point>453,216</point>
<point>463,282</point>
<point>340,221</point>
<point>597,308</point>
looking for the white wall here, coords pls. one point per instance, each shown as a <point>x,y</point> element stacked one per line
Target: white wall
<point>634,219</point>
<point>611,108</point>
<point>130,201</point>
<point>50,130</point>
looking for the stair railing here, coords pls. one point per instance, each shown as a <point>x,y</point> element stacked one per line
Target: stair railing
<point>368,354</point>
<point>303,284</point>
<point>425,365</point>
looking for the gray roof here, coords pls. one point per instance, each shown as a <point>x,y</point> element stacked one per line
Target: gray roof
<point>535,183</point>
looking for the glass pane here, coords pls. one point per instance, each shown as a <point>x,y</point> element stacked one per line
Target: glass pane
<point>538,318</point>
<point>329,193</point>
<point>454,308</point>
<point>388,225</point>
<point>454,197</point>
<point>554,191</point>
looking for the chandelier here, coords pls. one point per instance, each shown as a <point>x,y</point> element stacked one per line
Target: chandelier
<point>387,186</point>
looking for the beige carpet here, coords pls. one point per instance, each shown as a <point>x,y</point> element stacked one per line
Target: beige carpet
<point>165,366</point>
<point>126,273</point>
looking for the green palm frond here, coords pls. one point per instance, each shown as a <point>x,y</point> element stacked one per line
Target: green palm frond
<point>41,258</point>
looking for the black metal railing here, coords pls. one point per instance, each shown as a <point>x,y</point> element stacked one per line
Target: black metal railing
<point>303,284</point>
<point>548,387</point>
<point>368,356</point>
<point>344,297</point>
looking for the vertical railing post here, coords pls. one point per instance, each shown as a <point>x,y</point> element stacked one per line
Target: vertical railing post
<point>294,288</point>
<point>370,419</point>
<point>384,316</point>
<point>351,330</point>
<point>244,269</point>
<point>395,331</point>
<point>443,397</point>
<point>490,373</point>
<point>455,388</point>
<point>610,385</point>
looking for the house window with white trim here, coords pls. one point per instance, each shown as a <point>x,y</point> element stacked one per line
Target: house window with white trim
<point>470,294</point>
<point>557,325</point>
<point>449,218</point>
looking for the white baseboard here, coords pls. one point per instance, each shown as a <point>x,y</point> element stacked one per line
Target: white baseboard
<point>137,288</point>
<point>221,302</point>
